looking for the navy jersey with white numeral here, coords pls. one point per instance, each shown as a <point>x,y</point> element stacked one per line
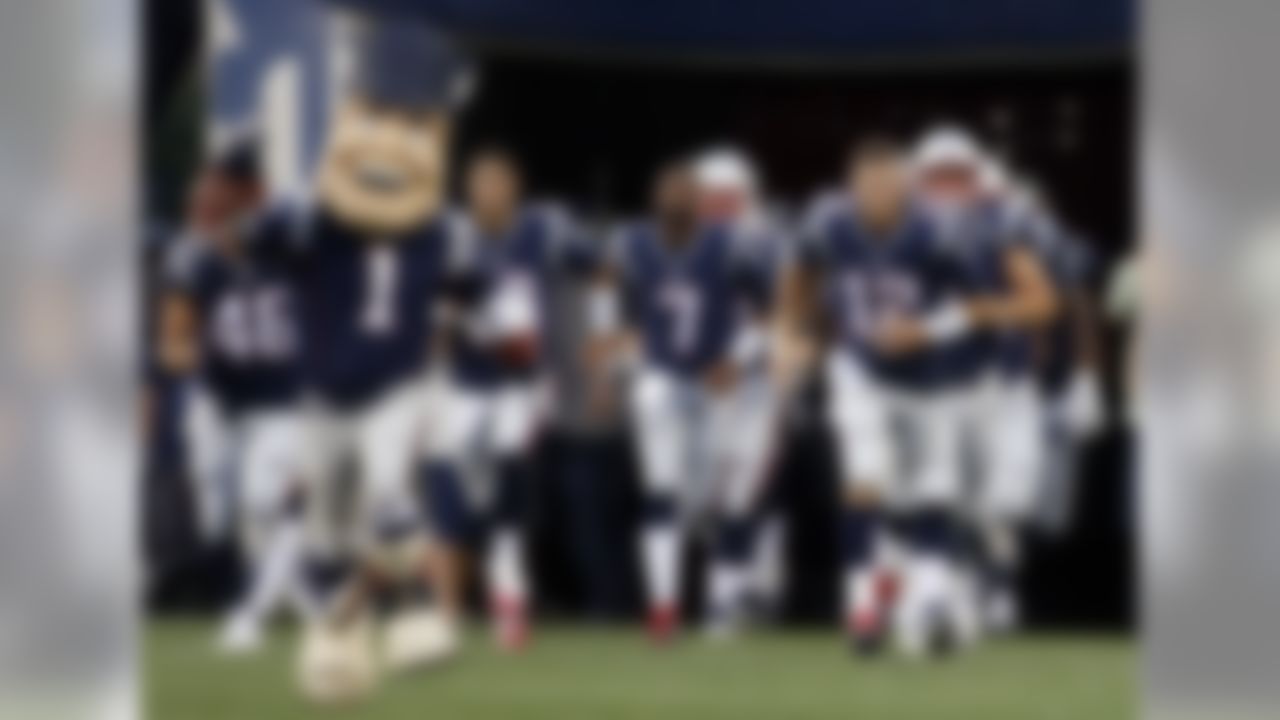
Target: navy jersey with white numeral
<point>872,276</point>
<point>248,324</point>
<point>689,302</point>
<point>366,302</point>
<point>540,243</point>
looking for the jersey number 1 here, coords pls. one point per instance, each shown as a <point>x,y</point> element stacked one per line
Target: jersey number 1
<point>381,280</point>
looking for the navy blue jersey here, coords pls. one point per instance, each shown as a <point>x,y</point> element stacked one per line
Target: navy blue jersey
<point>688,303</point>
<point>248,323</point>
<point>542,242</point>
<point>367,303</point>
<point>871,277</point>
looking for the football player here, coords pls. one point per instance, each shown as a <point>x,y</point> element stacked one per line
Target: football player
<point>990,372</point>
<point>729,192</point>
<point>871,260</point>
<point>232,321</point>
<point>695,299</point>
<point>487,407</point>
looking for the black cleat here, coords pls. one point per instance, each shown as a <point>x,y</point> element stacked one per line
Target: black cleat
<point>867,645</point>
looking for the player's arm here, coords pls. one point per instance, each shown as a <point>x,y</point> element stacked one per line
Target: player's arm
<point>177,333</point>
<point>1029,302</point>
<point>793,333</point>
<point>796,311</point>
<point>177,321</point>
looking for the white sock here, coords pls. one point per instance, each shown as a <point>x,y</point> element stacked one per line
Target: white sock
<point>660,554</point>
<point>275,577</point>
<point>725,585</point>
<point>1002,544</point>
<point>505,567</point>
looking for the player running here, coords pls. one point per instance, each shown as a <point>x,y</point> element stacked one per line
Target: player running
<point>488,402</point>
<point>990,372</point>
<point>730,192</point>
<point>232,321</point>
<point>871,259</point>
<point>695,300</point>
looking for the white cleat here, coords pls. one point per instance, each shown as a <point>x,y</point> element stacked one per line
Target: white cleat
<point>419,638</point>
<point>930,620</point>
<point>240,636</point>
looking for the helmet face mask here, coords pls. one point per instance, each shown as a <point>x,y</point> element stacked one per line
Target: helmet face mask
<point>384,167</point>
<point>948,166</point>
<point>950,184</point>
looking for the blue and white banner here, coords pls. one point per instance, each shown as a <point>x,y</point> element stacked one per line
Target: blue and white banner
<point>273,66</point>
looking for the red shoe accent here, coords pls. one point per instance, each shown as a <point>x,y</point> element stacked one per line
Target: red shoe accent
<point>888,587</point>
<point>663,621</point>
<point>863,624</point>
<point>511,623</point>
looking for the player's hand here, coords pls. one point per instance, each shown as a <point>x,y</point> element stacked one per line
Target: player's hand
<point>721,377</point>
<point>900,335</point>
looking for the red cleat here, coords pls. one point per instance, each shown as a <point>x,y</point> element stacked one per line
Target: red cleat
<point>863,622</point>
<point>866,632</point>
<point>511,624</point>
<point>663,621</point>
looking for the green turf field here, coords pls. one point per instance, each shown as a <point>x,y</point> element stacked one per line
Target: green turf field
<point>599,674</point>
